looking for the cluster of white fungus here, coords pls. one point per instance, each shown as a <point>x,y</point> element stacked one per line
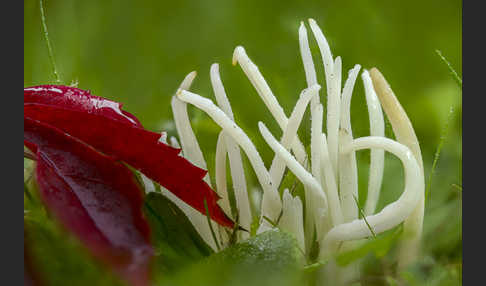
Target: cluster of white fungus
<point>331,185</point>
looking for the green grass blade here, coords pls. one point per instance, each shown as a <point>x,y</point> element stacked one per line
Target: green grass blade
<point>451,69</point>
<point>274,224</point>
<point>437,153</point>
<point>363,216</point>
<point>49,47</point>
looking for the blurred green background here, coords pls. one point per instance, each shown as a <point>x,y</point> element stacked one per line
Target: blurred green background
<point>138,52</point>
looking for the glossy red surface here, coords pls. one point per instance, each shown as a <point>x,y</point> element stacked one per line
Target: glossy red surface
<point>103,125</point>
<point>77,99</point>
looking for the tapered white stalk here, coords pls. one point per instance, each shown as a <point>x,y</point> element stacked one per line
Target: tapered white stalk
<point>403,129</point>
<point>271,204</point>
<point>220,176</point>
<point>195,217</point>
<point>311,79</point>
<point>331,185</point>
<point>236,163</point>
<point>316,141</point>
<point>316,111</point>
<point>190,146</point>
<point>326,54</point>
<point>264,91</point>
<point>332,70</point>
<point>347,94</point>
<point>333,115</point>
<point>278,166</point>
<point>348,172</point>
<point>290,133</point>
<point>292,219</point>
<point>315,193</point>
<point>377,157</point>
<point>394,213</point>
<point>192,152</point>
<point>338,76</point>
<point>316,131</point>
<point>310,71</point>
<point>219,91</point>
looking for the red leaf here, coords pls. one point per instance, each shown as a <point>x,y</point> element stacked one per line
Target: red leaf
<point>105,127</point>
<point>77,99</point>
<point>95,197</point>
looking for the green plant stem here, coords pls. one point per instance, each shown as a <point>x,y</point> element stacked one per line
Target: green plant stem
<point>363,216</point>
<point>49,47</point>
<point>437,153</point>
<point>451,69</point>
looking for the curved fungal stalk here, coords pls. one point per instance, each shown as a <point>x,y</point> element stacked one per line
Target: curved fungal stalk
<point>347,169</point>
<point>316,141</point>
<point>377,157</point>
<point>290,133</point>
<point>192,152</point>
<point>271,204</point>
<point>331,185</point>
<point>264,91</point>
<point>316,107</point>
<point>236,163</point>
<point>348,172</point>
<point>333,114</point>
<point>332,70</point>
<point>190,146</point>
<point>220,175</point>
<point>310,71</point>
<point>394,213</point>
<point>326,54</point>
<point>316,131</point>
<point>405,134</point>
<point>278,167</point>
<point>315,193</point>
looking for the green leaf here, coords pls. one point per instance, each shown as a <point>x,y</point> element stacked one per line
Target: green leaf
<point>270,258</point>
<point>176,242</point>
